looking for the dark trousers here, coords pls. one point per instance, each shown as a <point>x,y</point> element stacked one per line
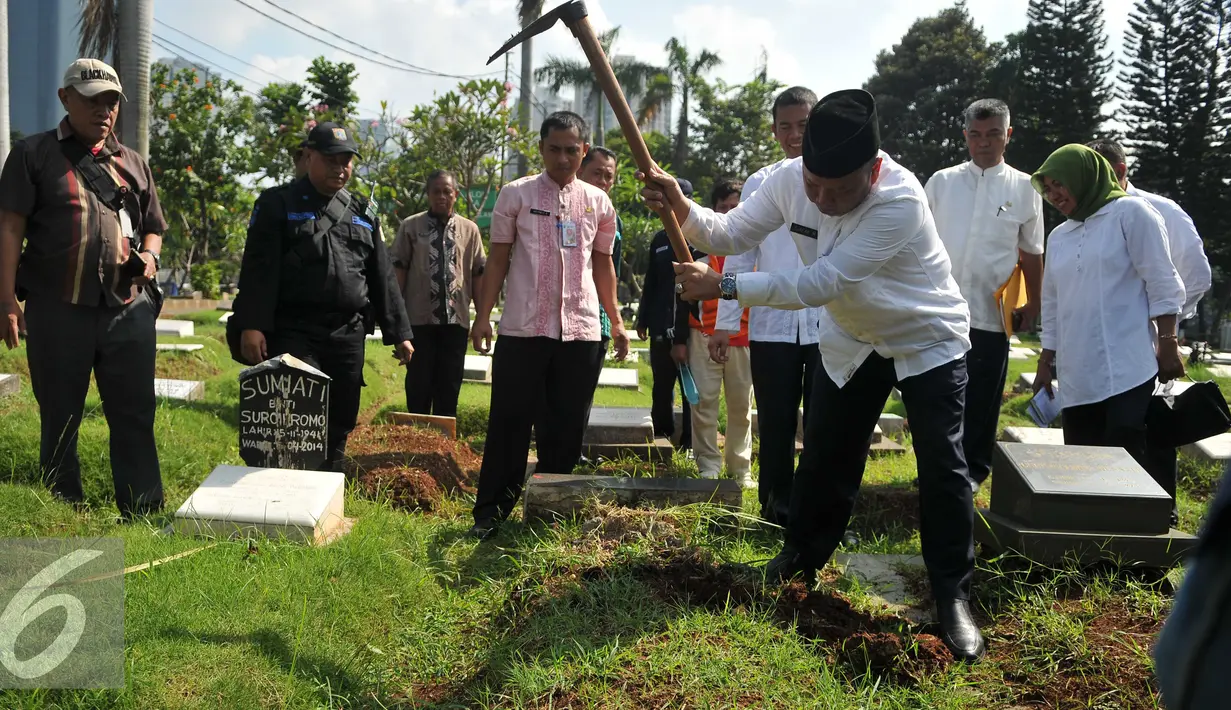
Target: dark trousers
<point>1163,467</point>
<point>987,365</point>
<point>65,342</point>
<point>1119,420</point>
<point>548,428</point>
<point>338,354</point>
<point>836,441</point>
<point>522,370</point>
<point>434,375</point>
<point>782,375</point>
<point>662,409</point>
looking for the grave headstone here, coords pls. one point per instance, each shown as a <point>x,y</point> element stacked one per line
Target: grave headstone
<point>181,328</point>
<point>477,368</point>
<point>186,390</point>
<point>1052,503</point>
<point>225,317</point>
<point>799,424</point>
<point>305,506</point>
<point>622,377</point>
<point>9,384</point>
<point>375,337</point>
<point>892,424</point>
<point>619,425</point>
<point>179,347</point>
<point>1216,448</point>
<point>283,414</point>
<point>558,495</point>
<point>1033,435</point>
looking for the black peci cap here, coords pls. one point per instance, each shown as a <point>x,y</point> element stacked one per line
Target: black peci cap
<point>843,134</point>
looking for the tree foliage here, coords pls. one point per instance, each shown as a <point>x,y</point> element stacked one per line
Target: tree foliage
<point>331,85</point>
<point>734,134</point>
<point>685,77</point>
<point>924,83</point>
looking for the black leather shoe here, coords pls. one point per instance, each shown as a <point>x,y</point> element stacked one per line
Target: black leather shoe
<point>959,631</point>
<point>483,529</point>
<point>788,565</point>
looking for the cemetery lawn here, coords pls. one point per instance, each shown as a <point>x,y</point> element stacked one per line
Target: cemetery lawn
<point>630,609</point>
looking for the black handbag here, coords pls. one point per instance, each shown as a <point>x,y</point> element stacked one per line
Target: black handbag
<point>1197,413</point>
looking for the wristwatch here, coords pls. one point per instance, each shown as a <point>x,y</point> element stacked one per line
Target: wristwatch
<point>157,260</point>
<point>727,286</point>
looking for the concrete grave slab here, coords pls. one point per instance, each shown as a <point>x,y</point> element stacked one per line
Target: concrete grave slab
<point>9,384</point>
<point>1216,448</point>
<point>619,425</point>
<point>181,328</point>
<point>179,347</point>
<point>624,378</point>
<point>375,337</point>
<point>1020,353</point>
<point>659,450</point>
<point>225,317</point>
<point>632,356</point>
<point>478,368</point>
<point>1033,435</point>
<point>1220,370</point>
<point>1057,547</point>
<point>186,390</point>
<point>799,424</point>
<point>1014,340</point>
<point>881,578</point>
<point>236,501</point>
<point>444,425</point>
<point>892,424</point>
<point>550,495</point>
<point>1025,383</point>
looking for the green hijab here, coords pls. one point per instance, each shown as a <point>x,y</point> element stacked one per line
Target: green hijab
<point>1086,174</point>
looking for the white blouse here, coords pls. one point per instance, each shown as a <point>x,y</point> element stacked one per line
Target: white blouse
<point>1104,281</point>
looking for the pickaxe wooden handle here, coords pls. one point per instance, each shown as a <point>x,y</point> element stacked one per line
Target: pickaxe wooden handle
<point>575,17</point>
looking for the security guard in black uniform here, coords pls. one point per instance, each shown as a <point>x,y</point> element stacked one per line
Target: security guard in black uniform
<point>315,279</point>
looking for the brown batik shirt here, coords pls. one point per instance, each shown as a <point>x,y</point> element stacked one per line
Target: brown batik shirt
<point>74,246</point>
<point>442,259</point>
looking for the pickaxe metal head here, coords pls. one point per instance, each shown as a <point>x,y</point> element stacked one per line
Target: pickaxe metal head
<point>570,12</point>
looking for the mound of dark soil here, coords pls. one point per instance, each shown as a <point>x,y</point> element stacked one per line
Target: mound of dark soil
<point>415,468</point>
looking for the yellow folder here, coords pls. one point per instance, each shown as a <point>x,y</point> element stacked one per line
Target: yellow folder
<point>1010,297</point>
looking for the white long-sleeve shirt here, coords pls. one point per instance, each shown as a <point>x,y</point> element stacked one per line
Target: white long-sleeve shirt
<point>776,253</point>
<point>984,217</point>
<point>1187,250</point>
<point>880,270</point>
<point>1104,281</point>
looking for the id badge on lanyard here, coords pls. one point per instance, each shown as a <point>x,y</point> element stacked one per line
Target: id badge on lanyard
<point>126,225</point>
<point>567,227</point>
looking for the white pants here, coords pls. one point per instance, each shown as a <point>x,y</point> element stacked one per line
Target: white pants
<point>711,376</point>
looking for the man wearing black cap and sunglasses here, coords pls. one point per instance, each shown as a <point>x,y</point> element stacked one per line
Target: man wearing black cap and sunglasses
<point>893,316</point>
<point>315,268</point>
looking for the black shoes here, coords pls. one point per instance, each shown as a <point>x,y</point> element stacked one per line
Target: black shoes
<point>788,565</point>
<point>483,529</point>
<point>959,631</point>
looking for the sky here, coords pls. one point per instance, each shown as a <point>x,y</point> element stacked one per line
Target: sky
<point>825,45</point>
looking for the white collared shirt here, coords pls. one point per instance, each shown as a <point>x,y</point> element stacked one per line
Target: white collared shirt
<point>1187,251</point>
<point>984,217</point>
<point>880,271</point>
<point>776,253</point>
<point>1104,281</point>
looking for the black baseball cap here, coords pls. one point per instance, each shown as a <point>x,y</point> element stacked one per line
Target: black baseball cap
<point>330,139</point>
<point>685,186</point>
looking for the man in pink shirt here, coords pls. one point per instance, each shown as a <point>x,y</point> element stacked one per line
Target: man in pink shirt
<point>550,337</point>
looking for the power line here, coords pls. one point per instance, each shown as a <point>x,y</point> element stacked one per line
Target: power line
<point>194,58</point>
<point>407,69</point>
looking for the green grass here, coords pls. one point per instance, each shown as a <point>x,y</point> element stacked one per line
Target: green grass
<point>406,612</point>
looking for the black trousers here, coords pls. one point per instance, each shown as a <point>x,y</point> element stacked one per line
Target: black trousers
<point>1119,420</point>
<point>1163,467</point>
<point>547,426</point>
<point>987,365</point>
<point>522,370</point>
<point>662,409</point>
<point>836,441</point>
<point>65,343</point>
<point>434,375</point>
<point>338,354</point>
<point>782,375</point>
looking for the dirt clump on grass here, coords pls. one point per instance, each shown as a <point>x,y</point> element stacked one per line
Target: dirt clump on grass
<point>179,365</point>
<point>882,507</point>
<point>618,525</point>
<point>414,468</point>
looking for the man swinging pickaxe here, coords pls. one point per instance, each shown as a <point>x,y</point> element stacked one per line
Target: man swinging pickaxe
<point>575,17</point>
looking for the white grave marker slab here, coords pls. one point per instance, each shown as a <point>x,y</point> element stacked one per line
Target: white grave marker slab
<point>619,425</point>
<point>1014,340</point>
<point>186,390</point>
<point>376,337</point>
<point>1020,353</point>
<point>225,317</point>
<point>892,424</point>
<point>1215,448</point>
<point>1220,370</point>
<point>181,328</point>
<point>9,384</point>
<point>274,502</point>
<point>799,424</point>
<point>478,368</point>
<point>632,355</point>
<point>179,347</point>
<point>1034,435</point>
<point>624,378</point>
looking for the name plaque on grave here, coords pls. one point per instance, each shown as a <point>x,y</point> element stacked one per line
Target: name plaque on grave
<point>1077,488</point>
<point>283,414</point>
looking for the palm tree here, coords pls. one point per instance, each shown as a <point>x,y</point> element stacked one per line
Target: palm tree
<point>527,11</point>
<point>634,76</point>
<point>120,30</point>
<point>4,81</point>
<point>683,78</point>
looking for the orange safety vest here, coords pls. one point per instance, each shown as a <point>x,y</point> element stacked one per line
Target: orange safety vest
<point>709,312</point>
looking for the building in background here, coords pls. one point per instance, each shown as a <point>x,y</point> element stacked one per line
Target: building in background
<point>42,42</point>
<point>583,104</point>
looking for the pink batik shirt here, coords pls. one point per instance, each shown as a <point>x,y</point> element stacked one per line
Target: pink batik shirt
<point>550,289</point>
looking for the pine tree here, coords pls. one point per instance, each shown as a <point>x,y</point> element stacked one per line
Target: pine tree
<point>1063,79</point>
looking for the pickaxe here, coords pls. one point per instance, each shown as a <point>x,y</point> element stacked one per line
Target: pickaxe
<point>574,15</point>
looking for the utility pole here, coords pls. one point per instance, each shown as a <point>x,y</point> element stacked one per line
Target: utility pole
<point>4,81</point>
<point>506,136</point>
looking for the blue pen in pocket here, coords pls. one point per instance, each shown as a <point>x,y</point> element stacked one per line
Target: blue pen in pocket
<point>688,386</point>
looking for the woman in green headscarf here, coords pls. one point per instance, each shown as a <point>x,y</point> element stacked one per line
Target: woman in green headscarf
<point>1107,275</point>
